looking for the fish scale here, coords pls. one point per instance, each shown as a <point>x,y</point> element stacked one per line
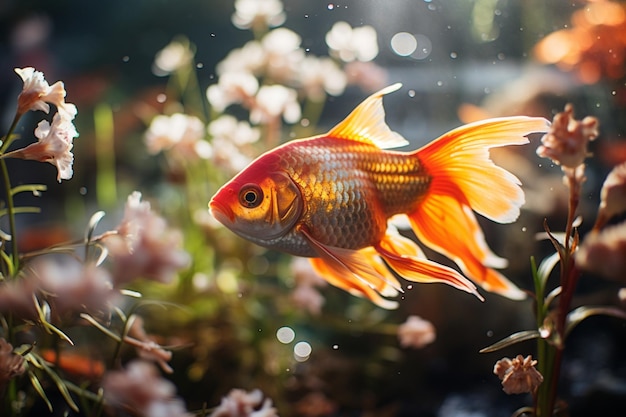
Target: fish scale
<point>350,189</point>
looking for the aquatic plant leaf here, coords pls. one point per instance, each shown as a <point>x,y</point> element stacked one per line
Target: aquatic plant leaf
<point>93,223</point>
<point>65,393</point>
<point>34,381</point>
<point>43,313</point>
<point>511,340</point>
<point>581,313</point>
<point>546,266</point>
<point>36,189</point>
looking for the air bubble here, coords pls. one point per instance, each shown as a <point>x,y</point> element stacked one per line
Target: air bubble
<point>285,335</point>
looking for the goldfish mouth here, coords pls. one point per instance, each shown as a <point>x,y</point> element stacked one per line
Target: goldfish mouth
<point>222,213</point>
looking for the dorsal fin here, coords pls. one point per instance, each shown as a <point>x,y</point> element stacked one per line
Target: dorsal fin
<point>367,124</point>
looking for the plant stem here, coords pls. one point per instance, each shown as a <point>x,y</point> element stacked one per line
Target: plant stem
<point>11,215</point>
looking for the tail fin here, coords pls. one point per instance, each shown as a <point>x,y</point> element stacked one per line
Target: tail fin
<point>464,179</point>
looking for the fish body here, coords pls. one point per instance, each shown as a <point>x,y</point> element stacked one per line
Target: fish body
<point>330,198</point>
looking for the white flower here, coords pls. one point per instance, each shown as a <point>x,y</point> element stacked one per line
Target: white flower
<point>319,75</point>
<point>257,14</point>
<point>179,132</point>
<point>37,93</point>
<point>232,88</point>
<point>284,55</point>
<point>54,146</point>
<point>416,332</point>
<point>174,56</point>
<point>229,140</point>
<point>251,58</point>
<point>272,101</point>
<point>349,44</point>
<point>238,132</point>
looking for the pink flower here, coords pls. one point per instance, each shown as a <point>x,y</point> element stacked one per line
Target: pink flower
<point>240,403</point>
<point>518,375</point>
<point>54,146</point>
<point>144,246</point>
<point>566,142</point>
<point>146,347</point>
<point>69,287</point>
<point>612,196</point>
<point>140,389</point>
<point>11,364</point>
<point>604,252</point>
<point>37,93</point>
<point>416,332</point>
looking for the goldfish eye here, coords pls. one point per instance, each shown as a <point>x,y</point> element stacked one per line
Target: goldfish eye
<point>250,196</point>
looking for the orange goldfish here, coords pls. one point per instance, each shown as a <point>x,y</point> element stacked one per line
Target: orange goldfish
<point>331,198</point>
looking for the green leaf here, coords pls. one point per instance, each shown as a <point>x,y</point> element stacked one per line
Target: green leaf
<point>93,223</point>
<point>37,386</point>
<point>36,189</point>
<point>546,266</point>
<point>511,340</point>
<point>581,313</point>
<point>60,386</point>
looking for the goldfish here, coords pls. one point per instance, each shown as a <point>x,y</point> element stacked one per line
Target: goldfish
<point>335,198</point>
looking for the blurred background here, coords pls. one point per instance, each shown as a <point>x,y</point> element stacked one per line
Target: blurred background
<point>458,61</point>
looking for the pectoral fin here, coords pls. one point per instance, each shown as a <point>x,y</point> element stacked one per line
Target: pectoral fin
<point>360,272</point>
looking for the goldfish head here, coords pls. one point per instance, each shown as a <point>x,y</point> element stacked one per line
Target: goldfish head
<point>258,206</point>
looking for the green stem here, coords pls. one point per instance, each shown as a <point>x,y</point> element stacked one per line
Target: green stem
<point>14,267</point>
<point>9,137</point>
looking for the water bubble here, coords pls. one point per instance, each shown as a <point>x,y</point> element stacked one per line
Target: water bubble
<point>403,43</point>
<point>439,83</point>
<point>409,287</point>
<point>302,351</point>
<point>125,58</point>
<point>335,347</point>
<point>524,229</point>
<point>330,6</point>
<point>411,93</point>
<point>453,55</point>
<point>285,335</point>
<point>501,56</point>
<point>200,65</point>
<point>161,98</point>
<point>82,190</point>
<point>489,333</point>
<point>306,16</point>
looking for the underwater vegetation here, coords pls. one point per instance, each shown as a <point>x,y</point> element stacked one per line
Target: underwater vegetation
<point>225,219</point>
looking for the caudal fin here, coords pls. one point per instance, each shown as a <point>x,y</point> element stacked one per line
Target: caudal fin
<point>465,179</point>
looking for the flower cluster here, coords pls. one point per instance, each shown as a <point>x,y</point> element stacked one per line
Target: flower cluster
<point>55,140</point>
<point>239,403</point>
